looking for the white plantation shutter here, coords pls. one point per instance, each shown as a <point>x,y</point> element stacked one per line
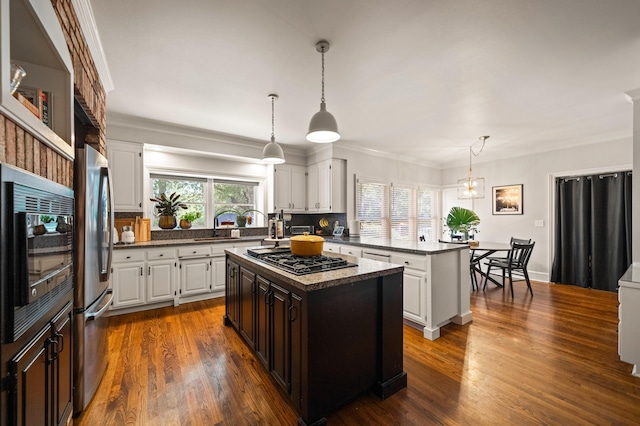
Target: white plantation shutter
<point>403,213</point>
<point>372,208</point>
<point>427,217</point>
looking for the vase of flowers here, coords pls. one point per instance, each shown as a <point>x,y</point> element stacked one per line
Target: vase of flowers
<point>166,209</point>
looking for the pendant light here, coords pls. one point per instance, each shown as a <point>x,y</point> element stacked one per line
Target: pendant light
<point>472,187</point>
<point>323,127</point>
<point>272,152</point>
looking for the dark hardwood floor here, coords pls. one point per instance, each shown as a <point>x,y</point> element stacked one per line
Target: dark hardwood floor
<point>551,359</point>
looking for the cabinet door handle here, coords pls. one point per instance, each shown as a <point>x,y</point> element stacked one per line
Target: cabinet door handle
<point>207,266</point>
<point>149,271</point>
<point>141,271</point>
<point>293,313</point>
<point>266,298</point>
<point>52,350</point>
<point>161,254</point>
<point>406,262</point>
<point>61,340</point>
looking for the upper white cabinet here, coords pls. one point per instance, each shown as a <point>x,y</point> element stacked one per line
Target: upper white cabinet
<point>326,187</point>
<point>126,163</point>
<point>31,37</point>
<point>290,183</point>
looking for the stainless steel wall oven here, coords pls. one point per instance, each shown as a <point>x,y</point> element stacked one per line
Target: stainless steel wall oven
<point>37,251</point>
<point>38,255</point>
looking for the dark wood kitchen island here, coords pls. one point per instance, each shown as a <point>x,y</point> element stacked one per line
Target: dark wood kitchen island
<point>325,337</point>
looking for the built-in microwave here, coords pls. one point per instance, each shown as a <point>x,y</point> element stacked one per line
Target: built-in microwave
<point>36,246</point>
<point>44,254</point>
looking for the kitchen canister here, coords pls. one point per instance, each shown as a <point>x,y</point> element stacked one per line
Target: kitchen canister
<point>354,228</point>
<point>128,237</point>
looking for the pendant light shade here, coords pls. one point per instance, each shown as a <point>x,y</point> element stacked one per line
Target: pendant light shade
<point>272,152</point>
<point>323,127</point>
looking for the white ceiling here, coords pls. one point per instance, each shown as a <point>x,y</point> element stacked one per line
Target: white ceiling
<point>416,79</point>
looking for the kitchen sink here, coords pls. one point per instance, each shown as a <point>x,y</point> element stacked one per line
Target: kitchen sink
<point>216,238</point>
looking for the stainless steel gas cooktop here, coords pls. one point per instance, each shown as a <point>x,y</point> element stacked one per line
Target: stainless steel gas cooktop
<point>282,258</point>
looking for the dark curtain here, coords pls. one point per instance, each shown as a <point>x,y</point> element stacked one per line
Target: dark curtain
<point>573,237</point>
<point>593,230</point>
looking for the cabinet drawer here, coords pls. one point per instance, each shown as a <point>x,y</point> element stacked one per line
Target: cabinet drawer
<point>218,249</point>
<point>161,254</point>
<point>409,260</point>
<point>193,251</point>
<point>351,251</point>
<point>120,256</point>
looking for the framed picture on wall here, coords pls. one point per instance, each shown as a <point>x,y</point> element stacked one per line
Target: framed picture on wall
<point>507,199</point>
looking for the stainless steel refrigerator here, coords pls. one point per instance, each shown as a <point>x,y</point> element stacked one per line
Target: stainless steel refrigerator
<point>92,268</point>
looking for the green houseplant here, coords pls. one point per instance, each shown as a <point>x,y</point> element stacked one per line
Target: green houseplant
<point>242,215</point>
<point>461,220</point>
<point>166,209</point>
<point>188,218</point>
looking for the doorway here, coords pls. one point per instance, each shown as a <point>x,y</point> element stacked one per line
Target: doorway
<point>592,239</point>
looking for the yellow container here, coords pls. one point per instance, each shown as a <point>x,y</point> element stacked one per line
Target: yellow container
<point>307,245</point>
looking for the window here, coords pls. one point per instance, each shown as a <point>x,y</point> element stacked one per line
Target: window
<point>403,213</point>
<point>427,219</point>
<point>209,195</point>
<point>191,191</point>
<point>399,212</point>
<point>236,196</point>
<point>372,199</point>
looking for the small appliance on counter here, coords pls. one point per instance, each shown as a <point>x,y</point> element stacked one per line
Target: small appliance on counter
<point>354,228</point>
<point>300,229</point>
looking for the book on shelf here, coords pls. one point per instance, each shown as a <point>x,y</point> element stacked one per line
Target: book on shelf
<point>45,107</point>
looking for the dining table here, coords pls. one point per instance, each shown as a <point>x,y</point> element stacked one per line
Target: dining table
<point>485,249</point>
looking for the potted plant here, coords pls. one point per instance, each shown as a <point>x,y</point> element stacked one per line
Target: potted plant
<point>464,221</point>
<point>187,219</point>
<point>242,216</point>
<point>166,209</point>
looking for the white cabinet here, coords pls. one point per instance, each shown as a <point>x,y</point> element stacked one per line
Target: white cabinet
<point>161,277</point>
<point>629,316</point>
<point>127,278</point>
<point>326,187</point>
<point>33,39</point>
<point>290,183</point>
<point>195,277</point>
<point>351,251</point>
<point>126,163</point>
<point>142,276</point>
<point>414,281</point>
<point>374,254</point>
<point>333,248</point>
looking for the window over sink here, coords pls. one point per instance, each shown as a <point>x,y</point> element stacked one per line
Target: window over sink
<point>206,195</point>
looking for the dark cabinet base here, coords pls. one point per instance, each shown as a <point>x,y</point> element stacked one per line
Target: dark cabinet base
<point>342,340</point>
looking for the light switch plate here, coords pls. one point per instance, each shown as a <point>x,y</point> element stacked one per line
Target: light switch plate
<point>539,223</point>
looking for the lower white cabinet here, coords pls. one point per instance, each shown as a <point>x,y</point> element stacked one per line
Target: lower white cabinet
<point>142,276</point>
<point>195,277</point>
<point>127,279</point>
<point>351,251</point>
<point>333,248</point>
<point>629,316</point>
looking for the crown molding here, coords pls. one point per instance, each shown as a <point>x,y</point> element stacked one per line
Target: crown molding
<point>90,31</point>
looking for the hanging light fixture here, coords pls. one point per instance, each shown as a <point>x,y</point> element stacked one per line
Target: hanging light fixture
<point>472,187</point>
<point>323,127</point>
<point>272,152</point>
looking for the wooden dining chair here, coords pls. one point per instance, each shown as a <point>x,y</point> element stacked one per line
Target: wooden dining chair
<point>516,261</point>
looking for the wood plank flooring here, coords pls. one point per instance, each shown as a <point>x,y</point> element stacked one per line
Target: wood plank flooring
<point>551,359</point>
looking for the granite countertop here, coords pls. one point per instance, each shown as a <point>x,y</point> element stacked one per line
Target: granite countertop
<point>187,241</point>
<point>413,247</point>
<point>365,269</point>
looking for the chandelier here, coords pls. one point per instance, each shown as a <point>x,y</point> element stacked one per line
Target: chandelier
<point>470,186</point>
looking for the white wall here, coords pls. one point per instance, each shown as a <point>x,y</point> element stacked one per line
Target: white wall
<point>536,173</point>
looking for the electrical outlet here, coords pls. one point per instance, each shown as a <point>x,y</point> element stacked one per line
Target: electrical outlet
<point>539,223</point>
